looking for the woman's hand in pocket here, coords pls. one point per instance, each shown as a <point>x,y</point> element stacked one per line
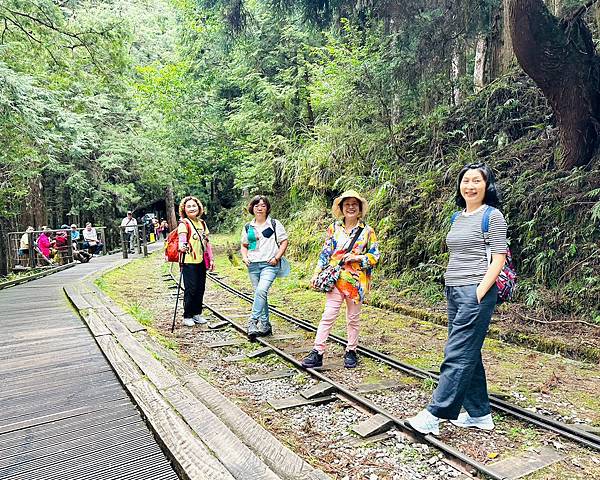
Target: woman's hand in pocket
<point>480,293</point>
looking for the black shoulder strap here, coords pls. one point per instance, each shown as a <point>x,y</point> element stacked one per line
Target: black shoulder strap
<point>199,236</point>
<point>356,235</point>
<point>354,239</point>
<point>275,231</point>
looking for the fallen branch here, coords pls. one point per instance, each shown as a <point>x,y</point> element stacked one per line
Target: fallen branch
<point>556,322</point>
<point>577,12</point>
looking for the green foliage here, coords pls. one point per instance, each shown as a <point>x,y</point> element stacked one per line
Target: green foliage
<point>303,113</point>
<point>71,118</point>
<point>118,100</point>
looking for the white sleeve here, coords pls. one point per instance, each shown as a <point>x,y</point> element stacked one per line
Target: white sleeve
<point>244,240</point>
<point>281,233</point>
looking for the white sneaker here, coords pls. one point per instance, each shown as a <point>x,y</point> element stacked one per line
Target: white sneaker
<point>199,319</point>
<point>465,420</point>
<point>425,422</point>
<point>189,322</point>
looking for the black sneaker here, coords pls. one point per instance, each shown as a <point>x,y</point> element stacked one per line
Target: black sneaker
<point>313,360</point>
<point>350,359</point>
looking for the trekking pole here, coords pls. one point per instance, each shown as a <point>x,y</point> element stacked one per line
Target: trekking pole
<point>178,289</point>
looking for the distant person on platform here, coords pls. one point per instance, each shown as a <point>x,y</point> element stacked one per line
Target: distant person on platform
<point>80,255</point>
<point>130,224</point>
<point>61,245</point>
<point>156,227</point>
<point>24,247</point>
<point>75,235</point>
<point>44,242</point>
<point>90,239</point>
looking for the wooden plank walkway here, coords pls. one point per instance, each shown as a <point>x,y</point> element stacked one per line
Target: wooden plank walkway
<point>63,412</point>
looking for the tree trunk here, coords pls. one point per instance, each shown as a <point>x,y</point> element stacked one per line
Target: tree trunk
<point>457,71</point>
<point>34,207</point>
<point>565,67</point>
<point>4,229</point>
<point>170,207</point>
<point>555,6</point>
<point>500,49</point>
<point>480,62</point>
<point>310,116</point>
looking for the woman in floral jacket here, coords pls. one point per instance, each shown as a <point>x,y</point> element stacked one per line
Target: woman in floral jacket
<point>355,277</point>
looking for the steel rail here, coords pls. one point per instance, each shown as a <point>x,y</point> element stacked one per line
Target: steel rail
<point>400,423</point>
<point>431,439</point>
<point>580,436</point>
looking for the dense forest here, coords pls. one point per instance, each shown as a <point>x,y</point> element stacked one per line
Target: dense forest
<point>109,105</point>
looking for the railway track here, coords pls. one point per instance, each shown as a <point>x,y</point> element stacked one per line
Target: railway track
<point>455,456</point>
<point>582,437</point>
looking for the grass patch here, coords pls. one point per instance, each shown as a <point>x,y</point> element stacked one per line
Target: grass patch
<point>428,384</point>
<point>101,283</point>
<point>142,315</point>
<point>168,343</point>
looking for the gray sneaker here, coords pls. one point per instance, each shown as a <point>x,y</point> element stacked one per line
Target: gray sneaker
<point>252,328</point>
<point>199,319</point>
<point>465,420</point>
<point>264,329</point>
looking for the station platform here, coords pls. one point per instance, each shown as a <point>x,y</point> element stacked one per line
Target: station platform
<point>83,396</point>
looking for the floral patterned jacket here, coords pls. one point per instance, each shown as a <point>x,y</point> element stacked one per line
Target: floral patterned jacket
<point>355,278</point>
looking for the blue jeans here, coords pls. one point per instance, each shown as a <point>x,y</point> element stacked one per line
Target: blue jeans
<point>462,379</point>
<point>262,275</point>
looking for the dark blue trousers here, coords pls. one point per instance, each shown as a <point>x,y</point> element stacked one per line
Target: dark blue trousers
<point>462,379</point>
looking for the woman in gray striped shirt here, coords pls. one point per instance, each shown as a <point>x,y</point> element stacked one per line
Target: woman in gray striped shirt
<point>472,294</point>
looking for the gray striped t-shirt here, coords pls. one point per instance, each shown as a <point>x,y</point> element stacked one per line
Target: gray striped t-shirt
<point>468,260</point>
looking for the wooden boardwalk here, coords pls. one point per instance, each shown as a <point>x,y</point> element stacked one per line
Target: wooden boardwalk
<point>63,412</point>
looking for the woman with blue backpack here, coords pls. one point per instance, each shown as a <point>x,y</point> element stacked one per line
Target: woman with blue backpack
<point>478,250</point>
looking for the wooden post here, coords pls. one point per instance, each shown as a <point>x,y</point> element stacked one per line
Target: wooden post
<point>103,240</point>
<point>32,259</point>
<point>12,257</point>
<point>139,241</point>
<point>144,242</point>
<point>70,247</point>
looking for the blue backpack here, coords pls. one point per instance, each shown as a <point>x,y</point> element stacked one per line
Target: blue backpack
<point>507,279</point>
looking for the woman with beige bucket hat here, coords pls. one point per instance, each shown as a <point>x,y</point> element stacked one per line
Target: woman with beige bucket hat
<point>343,271</point>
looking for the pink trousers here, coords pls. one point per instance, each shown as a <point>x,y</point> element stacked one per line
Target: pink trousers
<point>334,300</point>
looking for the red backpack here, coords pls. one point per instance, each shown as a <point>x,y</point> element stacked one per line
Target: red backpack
<point>172,247</point>
<point>172,253</point>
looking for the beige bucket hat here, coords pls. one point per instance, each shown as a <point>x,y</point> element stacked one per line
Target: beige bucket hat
<point>337,211</point>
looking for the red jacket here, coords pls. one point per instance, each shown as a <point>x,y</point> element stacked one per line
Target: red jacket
<point>61,242</point>
<point>43,243</point>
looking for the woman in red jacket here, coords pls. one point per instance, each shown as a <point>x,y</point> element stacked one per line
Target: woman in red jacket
<point>44,243</point>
